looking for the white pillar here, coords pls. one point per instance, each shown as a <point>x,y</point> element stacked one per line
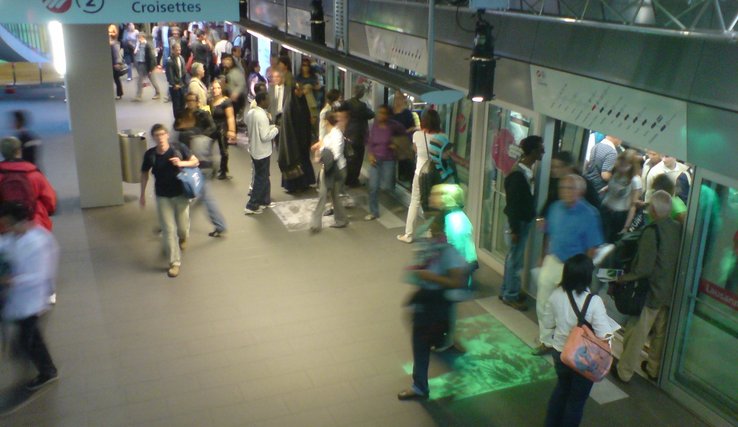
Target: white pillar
<point>89,84</point>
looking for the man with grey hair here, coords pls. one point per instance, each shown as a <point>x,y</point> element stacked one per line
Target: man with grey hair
<point>356,133</point>
<point>18,178</point>
<point>656,260</point>
<point>572,227</point>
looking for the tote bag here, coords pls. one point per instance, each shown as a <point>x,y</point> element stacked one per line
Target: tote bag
<point>584,352</point>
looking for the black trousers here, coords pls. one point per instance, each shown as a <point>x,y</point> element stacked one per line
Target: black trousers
<point>353,167</point>
<point>223,147</point>
<point>118,86</point>
<point>33,344</point>
<point>177,97</point>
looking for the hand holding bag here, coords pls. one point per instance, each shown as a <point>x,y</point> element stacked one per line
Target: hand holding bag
<point>192,179</point>
<point>584,352</point>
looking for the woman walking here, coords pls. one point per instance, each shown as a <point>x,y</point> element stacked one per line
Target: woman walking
<point>225,119</point>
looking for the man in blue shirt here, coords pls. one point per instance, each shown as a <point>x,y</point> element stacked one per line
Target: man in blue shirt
<point>573,227</point>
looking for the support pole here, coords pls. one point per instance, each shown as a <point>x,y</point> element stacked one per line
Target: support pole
<point>431,39</point>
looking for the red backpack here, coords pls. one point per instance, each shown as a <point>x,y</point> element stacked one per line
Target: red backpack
<point>16,187</point>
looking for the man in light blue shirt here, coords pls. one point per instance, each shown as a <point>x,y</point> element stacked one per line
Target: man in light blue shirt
<point>573,227</point>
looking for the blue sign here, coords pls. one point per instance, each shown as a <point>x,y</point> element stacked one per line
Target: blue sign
<point>110,11</point>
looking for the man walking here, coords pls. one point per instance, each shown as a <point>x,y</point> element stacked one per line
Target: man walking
<point>520,212</point>
<point>173,208</point>
<point>177,78</point>
<point>261,134</point>
<point>656,260</point>
<point>145,59</point>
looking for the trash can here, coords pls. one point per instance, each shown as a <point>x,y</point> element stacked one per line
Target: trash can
<point>132,148</point>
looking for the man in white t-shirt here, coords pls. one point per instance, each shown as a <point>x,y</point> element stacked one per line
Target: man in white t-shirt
<point>671,168</point>
<point>261,134</point>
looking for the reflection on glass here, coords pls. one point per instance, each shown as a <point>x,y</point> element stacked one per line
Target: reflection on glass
<point>707,362</point>
<point>460,134</point>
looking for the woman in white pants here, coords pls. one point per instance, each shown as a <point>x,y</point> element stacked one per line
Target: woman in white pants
<point>430,124</point>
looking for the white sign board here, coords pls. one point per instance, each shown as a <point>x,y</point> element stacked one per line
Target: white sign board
<point>639,118</point>
<point>111,11</point>
<point>402,50</point>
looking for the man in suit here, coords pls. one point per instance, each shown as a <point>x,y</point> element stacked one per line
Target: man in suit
<point>177,78</point>
<point>278,95</point>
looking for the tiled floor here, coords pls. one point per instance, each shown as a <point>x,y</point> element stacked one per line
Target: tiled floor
<point>263,328</point>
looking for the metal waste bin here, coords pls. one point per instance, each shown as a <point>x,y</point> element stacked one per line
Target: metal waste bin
<point>132,148</point>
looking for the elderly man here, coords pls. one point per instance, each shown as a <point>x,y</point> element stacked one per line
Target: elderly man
<point>572,227</point>
<point>655,260</point>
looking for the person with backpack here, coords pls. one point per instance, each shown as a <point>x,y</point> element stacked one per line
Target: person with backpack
<point>21,182</point>
<point>566,405</point>
<point>656,260</point>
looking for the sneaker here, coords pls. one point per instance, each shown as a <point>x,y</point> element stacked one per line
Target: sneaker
<point>248,211</point>
<point>270,205</point>
<point>173,270</point>
<point>182,244</point>
<point>517,305</point>
<point>40,381</point>
<point>156,97</point>
<point>129,79</point>
<point>370,217</point>
<point>344,225</point>
<point>405,238</point>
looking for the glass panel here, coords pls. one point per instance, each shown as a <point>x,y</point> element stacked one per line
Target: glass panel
<point>505,129</point>
<point>460,135</point>
<point>710,341</point>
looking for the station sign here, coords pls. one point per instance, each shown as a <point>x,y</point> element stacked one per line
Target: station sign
<point>109,11</point>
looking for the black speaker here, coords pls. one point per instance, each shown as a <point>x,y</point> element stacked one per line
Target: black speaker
<point>317,22</point>
<point>482,67</point>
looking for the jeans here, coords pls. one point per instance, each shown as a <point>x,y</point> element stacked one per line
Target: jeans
<point>514,264</point>
<point>262,189</point>
<point>174,220</point>
<point>414,210</point>
<point>33,344</point>
<point>143,73</point>
<point>381,175</point>
<point>216,217</point>
<point>177,97</point>
<point>129,61</point>
<point>566,405</point>
<point>339,211</point>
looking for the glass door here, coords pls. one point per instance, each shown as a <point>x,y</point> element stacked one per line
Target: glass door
<point>706,346</point>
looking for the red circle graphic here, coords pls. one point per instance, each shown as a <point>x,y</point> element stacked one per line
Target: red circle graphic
<point>58,6</point>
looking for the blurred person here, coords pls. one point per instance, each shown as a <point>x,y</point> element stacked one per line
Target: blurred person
<point>240,59</point>
<point>333,171</point>
<point>656,260</point>
<point>17,176</point>
<point>33,256</point>
<point>652,159</point>
<point>294,144</point>
<point>312,108</point>
<point>116,53</point>
<point>259,88</point>
<point>194,137</point>
<point>279,96</point>
<point>621,196</point>
<point>130,39</point>
<point>225,119</point>
<point>173,208</point>
<point>284,65</point>
<point>562,164</point>
<point>600,167</point>
<point>446,269</point>
<point>332,102</point>
<point>356,132</point>
<point>197,85</point>
<point>678,207</point>
<point>402,114</point>
<point>520,209</point>
<point>261,133</point>
<point>381,157</point>
<point>145,58</point>
<point>177,79</point>
<point>253,77</point>
<point>164,47</point>
<point>273,62</point>
<point>430,125</point>
<point>670,167</point>
<point>30,141</point>
<point>203,53</point>
<point>307,75</point>
<point>203,119</point>
<point>222,46</point>
<point>572,226</point>
<point>236,86</point>
<point>566,405</point>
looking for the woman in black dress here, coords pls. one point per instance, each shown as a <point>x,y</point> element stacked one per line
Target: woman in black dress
<point>294,144</point>
<point>225,120</point>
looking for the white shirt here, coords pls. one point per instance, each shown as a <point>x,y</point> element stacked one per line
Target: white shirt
<point>279,97</point>
<point>334,141</point>
<point>559,318</point>
<point>223,46</point>
<point>261,133</point>
<point>322,122</point>
<point>421,149</point>
<point>661,169</point>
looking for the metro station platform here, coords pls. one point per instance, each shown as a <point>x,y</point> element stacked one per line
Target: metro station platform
<point>267,326</point>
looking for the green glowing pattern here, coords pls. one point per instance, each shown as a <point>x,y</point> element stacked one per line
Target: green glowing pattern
<point>496,359</point>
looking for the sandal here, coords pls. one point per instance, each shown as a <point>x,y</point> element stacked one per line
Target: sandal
<point>410,394</point>
<point>217,233</point>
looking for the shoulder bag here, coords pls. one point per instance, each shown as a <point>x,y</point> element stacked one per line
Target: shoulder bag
<point>191,177</point>
<point>584,352</point>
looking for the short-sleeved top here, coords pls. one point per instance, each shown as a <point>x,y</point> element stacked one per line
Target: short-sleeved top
<point>603,160</point>
<point>572,230</point>
<point>430,299</point>
<point>166,183</point>
<point>437,145</point>
<point>219,114</point>
<point>619,192</point>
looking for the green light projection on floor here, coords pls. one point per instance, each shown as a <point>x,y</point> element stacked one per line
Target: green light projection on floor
<point>495,359</point>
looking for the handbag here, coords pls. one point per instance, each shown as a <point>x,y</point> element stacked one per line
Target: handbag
<point>402,146</point>
<point>292,173</point>
<point>120,69</point>
<point>192,179</point>
<point>584,352</point>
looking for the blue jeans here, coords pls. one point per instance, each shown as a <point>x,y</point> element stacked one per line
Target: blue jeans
<point>174,220</point>
<point>514,264</point>
<point>566,405</point>
<point>381,175</point>
<point>261,191</point>
<point>216,217</point>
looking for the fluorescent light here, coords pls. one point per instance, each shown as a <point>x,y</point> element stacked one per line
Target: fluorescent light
<point>478,99</point>
<point>261,36</point>
<point>56,34</point>
<point>342,69</point>
<point>288,47</point>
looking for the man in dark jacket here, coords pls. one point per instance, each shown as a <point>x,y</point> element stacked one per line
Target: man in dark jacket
<point>520,210</point>
<point>177,78</point>
<point>656,260</point>
<point>356,133</point>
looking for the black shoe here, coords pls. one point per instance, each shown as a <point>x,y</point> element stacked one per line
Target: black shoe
<point>517,304</point>
<point>644,365</point>
<point>41,381</point>
<point>543,350</point>
<point>217,233</point>
<point>223,176</point>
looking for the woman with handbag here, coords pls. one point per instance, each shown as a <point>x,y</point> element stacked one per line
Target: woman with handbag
<point>566,405</point>
<point>430,125</point>
<point>119,66</point>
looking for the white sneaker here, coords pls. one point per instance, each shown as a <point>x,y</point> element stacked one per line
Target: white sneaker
<point>405,238</point>
<point>248,211</point>
<point>52,299</point>
<point>370,217</point>
<point>270,205</point>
